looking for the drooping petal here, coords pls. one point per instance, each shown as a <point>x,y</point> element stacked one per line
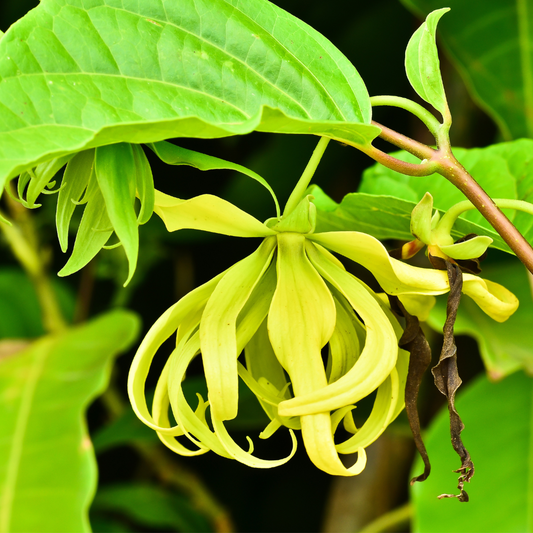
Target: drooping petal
<point>302,316</point>
<point>387,405</point>
<point>247,458</point>
<point>164,327</point>
<point>144,181</point>
<point>396,277</point>
<point>493,298</point>
<point>377,358</point>
<point>194,427</point>
<point>318,440</point>
<point>208,213</point>
<point>344,346</point>
<point>218,329</point>
<point>160,409</point>
<point>75,180</point>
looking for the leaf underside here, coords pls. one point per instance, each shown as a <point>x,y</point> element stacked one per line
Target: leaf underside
<point>76,74</point>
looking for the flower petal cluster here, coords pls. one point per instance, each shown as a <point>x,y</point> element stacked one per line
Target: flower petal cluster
<point>271,320</point>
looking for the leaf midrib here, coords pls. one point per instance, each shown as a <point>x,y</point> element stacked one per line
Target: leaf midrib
<point>41,352</point>
<point>209,43</point>
<point>229,55</point>
<point>133,78</point>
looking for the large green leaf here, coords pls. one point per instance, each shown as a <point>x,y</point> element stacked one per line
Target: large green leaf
<point>75,74</point>
<point>48,469</point>
<point>491,43</point>
<point>507,346</point>
<point>386,198</point>
<point>498,435</point>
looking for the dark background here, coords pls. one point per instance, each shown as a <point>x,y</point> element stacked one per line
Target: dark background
<point>297,496</point>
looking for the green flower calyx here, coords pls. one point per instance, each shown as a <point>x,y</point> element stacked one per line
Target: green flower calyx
<point>432,231</point>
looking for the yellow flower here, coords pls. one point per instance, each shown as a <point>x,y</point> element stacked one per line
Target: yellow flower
<point>268,320</point>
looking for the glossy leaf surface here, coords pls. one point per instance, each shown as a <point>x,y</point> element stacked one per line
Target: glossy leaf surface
<point>48,470</point>
<point>77,74</point>
<point>422,62</point>
<point>386,198</point>
<point>491,43</point>
<point>498,433</point>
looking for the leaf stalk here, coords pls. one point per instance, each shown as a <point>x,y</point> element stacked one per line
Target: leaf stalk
<point>443,162</point>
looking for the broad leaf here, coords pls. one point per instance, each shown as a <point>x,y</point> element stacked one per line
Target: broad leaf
<point>77,74</point>
<point>48,470</point>
<point>504,170</point>
<point>498,433</point>
<point>383,217</point>
<point>505,347</point>
<point>422,63</point>
<point>491,43</point>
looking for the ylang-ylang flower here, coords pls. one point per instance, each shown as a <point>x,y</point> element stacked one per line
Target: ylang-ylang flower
<point>268,320</point>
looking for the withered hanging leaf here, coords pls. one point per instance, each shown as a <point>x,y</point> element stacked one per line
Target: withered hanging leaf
<point>448,381</point>
<point>414,341</point>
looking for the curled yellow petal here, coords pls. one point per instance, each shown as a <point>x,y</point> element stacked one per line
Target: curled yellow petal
<point>208,213</point>
<point>235,451</point>
<point>396,277</point>
<point>494,299</point>
<point>318,441</point>
<point>160,409</point>
<point>165,326</point>
<point>194,426</point>
<point>377,358</point>
<point>302,316</point>
<point>218,329</point>
<point>383,412</point>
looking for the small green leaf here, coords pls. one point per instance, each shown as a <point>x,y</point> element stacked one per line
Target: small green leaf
<point>498,433</point>
<point>75,182</point>
<point>48,471</point>
<point>117,177</point>
<point>490,43</point>
<point>422,64</point>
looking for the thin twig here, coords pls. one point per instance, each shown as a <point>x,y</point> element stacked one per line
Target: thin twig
<point>444,163</point>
